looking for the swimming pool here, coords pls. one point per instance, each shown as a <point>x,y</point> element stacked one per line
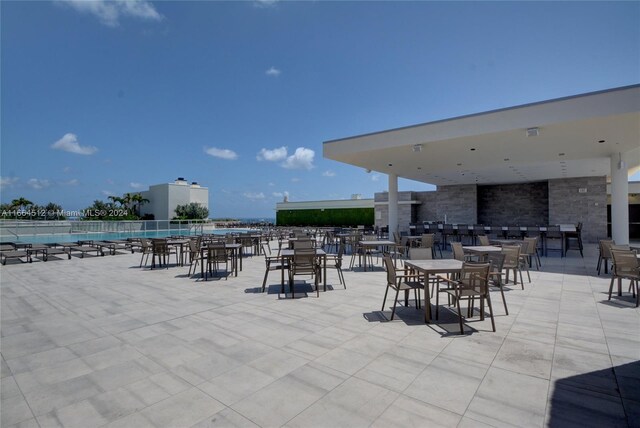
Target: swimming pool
<point>106,236</point>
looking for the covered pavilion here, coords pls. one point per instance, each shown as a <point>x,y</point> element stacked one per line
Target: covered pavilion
<point>595,134</point>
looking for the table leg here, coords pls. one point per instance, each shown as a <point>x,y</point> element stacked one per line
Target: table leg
<point>427,300</point>
<point>324,277</point>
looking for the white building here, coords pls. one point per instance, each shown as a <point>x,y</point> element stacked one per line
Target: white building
<point>164,198</point>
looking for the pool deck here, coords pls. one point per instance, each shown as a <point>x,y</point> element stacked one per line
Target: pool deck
<point>99,342</point>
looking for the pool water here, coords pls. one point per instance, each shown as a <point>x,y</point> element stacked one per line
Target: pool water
<point>106,236</point>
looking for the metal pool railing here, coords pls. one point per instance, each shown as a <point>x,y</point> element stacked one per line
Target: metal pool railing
<point>10,229</point>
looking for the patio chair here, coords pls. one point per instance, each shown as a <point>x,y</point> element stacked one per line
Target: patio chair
<point>573,240</point>
<point>472,283</point>
<point>464,231</point>
<point>496,260</point>
<point>553,234</point>
<point>428,241</point>
<point>162,250</point>
<point>626,265</point>
<point>400,282</point>
<point>484,240</point>
<point>335,261</point>
<point>195,254</point>
<point>304,262</point>
<point>272,263</point>
<point>531,251</point>
<point>217,255</point>
<point>512,262</point>
<point>145,249</point>
<point>604,255</point>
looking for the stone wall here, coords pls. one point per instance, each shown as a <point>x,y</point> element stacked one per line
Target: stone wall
<point>568,206</point>
<point>405,217</point>
<point>458,203</point>
<point>541,203</point>
<point>524,204</point>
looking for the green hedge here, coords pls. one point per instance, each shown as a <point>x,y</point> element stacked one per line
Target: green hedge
<point>326,217</point>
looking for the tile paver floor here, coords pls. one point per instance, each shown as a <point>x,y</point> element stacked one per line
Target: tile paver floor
<point>99,342</point>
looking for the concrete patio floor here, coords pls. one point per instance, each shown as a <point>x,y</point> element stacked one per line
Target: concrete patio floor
<point>100,342</point>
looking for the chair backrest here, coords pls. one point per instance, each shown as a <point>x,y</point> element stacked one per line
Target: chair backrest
<point>303,261</point>
<point>391,270</point>
<point>553,232</point>
<point>217,251</point>
<point>530,245</point>
<point>458,251</point>
<point>496,260</point>
<point>302,243</point>
<point>420,253</point>
<point>266,249</point>
<point>625,263</point>
<point>511,255</point>
<point>160,246</point>
<point>484,240</point>
<point>427,240</point>
<point>474,276</point>
<point>605,248</point>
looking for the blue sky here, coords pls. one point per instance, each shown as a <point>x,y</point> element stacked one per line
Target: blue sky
<point>103,98</point>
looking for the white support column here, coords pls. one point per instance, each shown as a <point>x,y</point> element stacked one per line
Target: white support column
<point>619,200</point>
<point>393,204</point>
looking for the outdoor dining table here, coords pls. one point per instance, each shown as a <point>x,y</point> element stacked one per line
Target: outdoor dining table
<point>236,253</point>
<point>288,254</point>
<point>432,267</point>
<point>179,244</point>
<point>383,244</point>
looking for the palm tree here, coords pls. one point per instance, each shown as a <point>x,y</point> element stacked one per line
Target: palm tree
<point>137,201</point>
<point>116,199</point>
<point>21,203</point>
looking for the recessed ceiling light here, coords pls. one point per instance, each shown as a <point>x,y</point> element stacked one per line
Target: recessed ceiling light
<point>601,141</point>
<point>473,149</point>
<point>390,164</point>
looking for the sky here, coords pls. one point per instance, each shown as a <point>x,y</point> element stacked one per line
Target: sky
<point>101,98</point>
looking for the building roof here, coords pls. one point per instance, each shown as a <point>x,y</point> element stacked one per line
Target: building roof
<point>576,137</point>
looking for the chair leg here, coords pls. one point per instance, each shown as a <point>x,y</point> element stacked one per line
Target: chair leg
<point>384,300</point>
<point>395,302</point>
<point>504,301</point>
<point>493,323</point>
<point>264,281</point>
<point>611,287</point>
<point>460,316</point>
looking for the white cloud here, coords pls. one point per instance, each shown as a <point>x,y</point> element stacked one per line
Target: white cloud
<point>107,192</point>
<point>272,155</point>
<point>66,169</point>
<point>271,184</point>
<point>301,159</point>
<point>110,181</point>
<point>109,12</point>
<point>221,153</point>
<point>69,143</point>
<point>8,182</point>
<point>135,185</point>
<point>37,183</point>
<point>72,182</point>
<point>328,174</point>
<point>280,194</point>
<point>295,179</point>
<point>265,3</point>
<point>273,72</point>
<point>375,177</point>
<point>253,196</point>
